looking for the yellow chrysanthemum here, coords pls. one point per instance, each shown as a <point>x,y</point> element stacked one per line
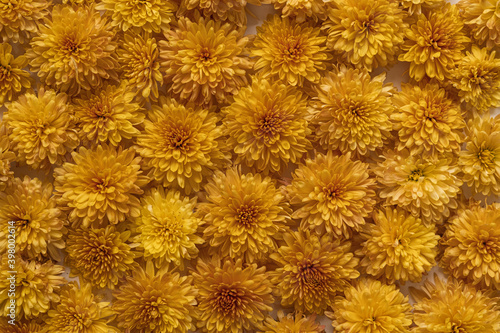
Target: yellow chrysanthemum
<point>427,119</point>
<point>312,269</point>
<point>267,125</point>
<point>41,128</point>
<point>434,44</point>
<point>292,323</point>
<point>301,10</point>
<point>372,307</point>
<point>290,51</point>
<point>417,6</point>
<point>19,19</point>
<point>371,32</point>
<point>425,186</point>
<point>197,68</point>
<point>398,246</point>
<point>352,110</point>
<point>472,246</point>
<point>79,311</point>
<point>477,78</point>
<point>74,50</point>
<point>20,326</point>
<point>99,256</point>
<point>181,145</point>
<point>454,307</point>
<point>233,298</point>
<point>101,185</point>
<point>244,215</point>
<point>13,79</point>
<point>152,302</point>
<point>332,193</point>
<point>231,11</point>
<point>108,115</point>
<point>39,223</point>
<point>6,157</point>
<point>483,18</point>
<point>167,228</point>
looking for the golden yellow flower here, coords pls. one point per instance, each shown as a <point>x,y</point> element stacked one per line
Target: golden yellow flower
<point>167,227</point>
<point>290,51</point>
<point>425,186</point>
<point>483,18</point>
<point>99,256</point>
<point>351,110</point>
<point>74,50</point>
<point>477,78</point>
<point>332,193</point>
<point>427,119</point>
<point>312,269</point>
<point>13,79</point>
<point>108,115</point>
<point>371,32</point>
<point>372,307</point>
<point>6,157</point>
<point>302,10</point>
<point>232,297</point>
<point>267,125</point>
<point>197,68</point>
<point>19,19</point>
<point>418,6</point>
<point>231,11</point>
<point>398,246</point>
<point>434,44</point>
<point>78,311</point>
<point>151,302</point>
<point>41,128</point>
<point>453,306</point>
<point>28,326</point>
<point>245,215</point>
<point>292,323</point>
<point>101,186</point>
<point>181,145</point>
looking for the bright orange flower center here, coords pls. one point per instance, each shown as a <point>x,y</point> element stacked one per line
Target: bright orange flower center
<point>227,300</point>
<point>247,215</point>
<point>309,275</point>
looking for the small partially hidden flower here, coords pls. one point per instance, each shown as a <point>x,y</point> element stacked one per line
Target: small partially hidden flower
<point>6,157</point>
<point>21,326</point>
<point>230,11</point>
<point>418,6</point>
<point>301,10</point>
<point>19,19</point>
<point>292,323</point>
<point>483,18</point>
<point>13,79</point>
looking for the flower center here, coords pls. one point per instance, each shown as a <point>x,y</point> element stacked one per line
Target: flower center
<point>488,247</point>
<point>368,26</point>
<point>227,300</point>
<point>292,49</point>
<point>79,321</point>
<point>151,309</point>
<point>178,139</point>
<point>4,73</point>
<point>415,175</point>
<point>457,329</point>
<point>309,275</point>
<point>270,125</point>
<point>486,157</point>
<point>100,111</point>
<point>247,215</point>
<point>333,191</point>
<point>70,46</point>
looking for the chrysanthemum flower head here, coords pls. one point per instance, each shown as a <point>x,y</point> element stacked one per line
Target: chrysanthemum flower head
<point>245,214</point>
<point>230,11</point>
<point>19,19</point>
<point>398,246</point>
<point>267,125</point>
<point>369,31</point>
<point>197,68</point>
<point>417,6</point>
<point>332,193</point>
<point>291,51</point>
<point>6,157</point>
<point>371,307</point>
<point>155,301</point>
<point>312,269</point>
<point>24,326</point>
<point>302,10</point>
<point>483,18</point>
<point>74,50</point>
<point>427,120</point>
<point>101,185</point>
<point>13,79</point>
<point>352,110</point>
<point>181,145</point>
<point>292,323</point>
<point>434,43</point>
<point>99,256</point>
<point>232,297</point>
<point>167,227</point>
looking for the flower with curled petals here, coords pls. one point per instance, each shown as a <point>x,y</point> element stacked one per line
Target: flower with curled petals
<point>13,79</point>
<point>292,323</point>
<point>302,10</point>
<point>6,157</point>
<point>230,11</point>
<point>24,326</point>
<point>483,18</point>
<point>19,19</point>
<point>416,7</point>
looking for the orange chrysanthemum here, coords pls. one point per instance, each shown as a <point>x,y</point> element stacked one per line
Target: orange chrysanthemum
<point>292,323</point>
<point>19,19</point>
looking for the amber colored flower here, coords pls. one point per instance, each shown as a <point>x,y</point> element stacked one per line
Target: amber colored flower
<point>352,110</point>
<point>371,32</point>
<point>198,69</point>
<point>398,246</point>
<point>13,79</point>
<point>167,227</point>
<point>477,78</point>
<point>99,256</point>
<point>267,125</point>
<point>74,50</point>
<point>427,119</point>
<point>151,302</point>
<point>6,157</point>
<point>312,269</point>
<point>453,306</point>
<point>292,323</point>
<point>425,186</point>
<point>36,285</point>
<point>25,326</point>
<point>434,44</point>
<point>181,145</point>
<point>41,128</point>
<point>101,185</point>
<point>483,18</point>
<point>332,193</point>
<point>244,215</point>
<point>231,11</point>
<point>417,6</point>
<point>108,115</point>
<point>290,51</point>
<point>233,298</point>
<point>371,307</point>
<point>302,10</point>
<point>78,311</point>
<point>19,19</point>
